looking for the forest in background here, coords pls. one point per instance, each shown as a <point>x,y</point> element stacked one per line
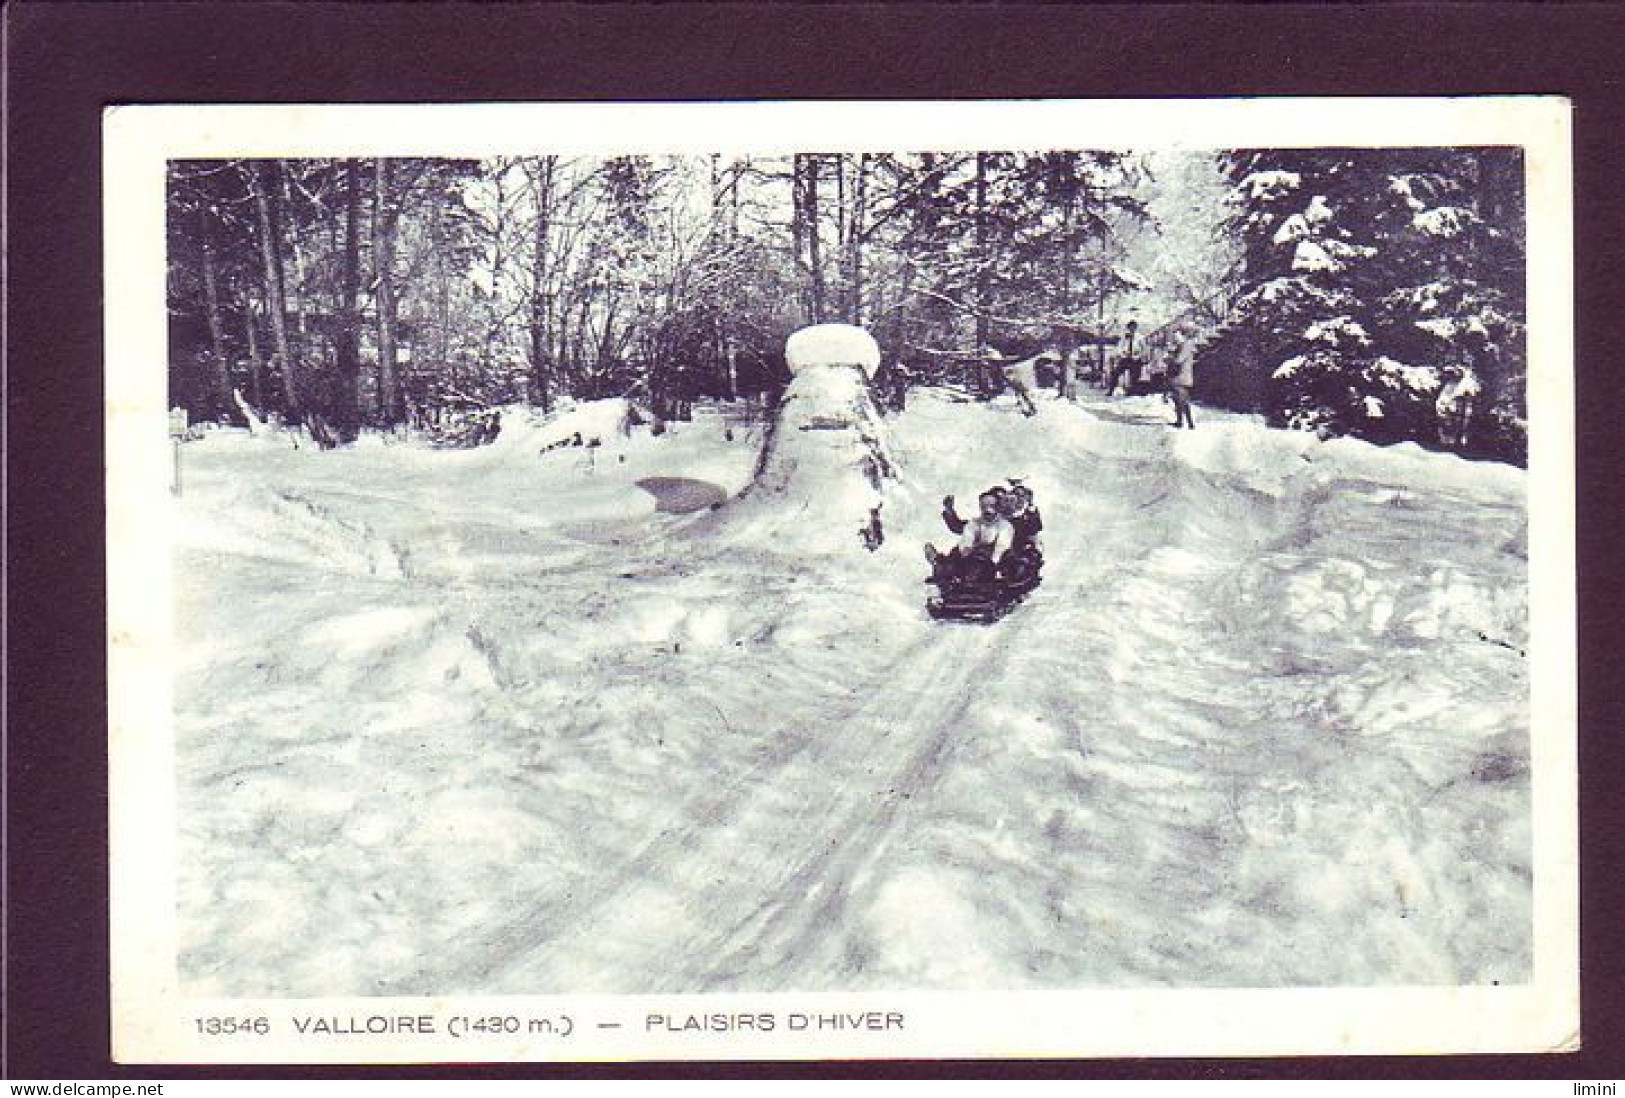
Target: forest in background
<point>1341,291</point>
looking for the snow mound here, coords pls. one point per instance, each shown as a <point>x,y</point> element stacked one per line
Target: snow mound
<point>527,429</point>
<point>832,345</point>
<point>824,470</point>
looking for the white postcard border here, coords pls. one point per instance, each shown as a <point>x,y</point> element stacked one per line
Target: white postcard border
<point>153,1022</point>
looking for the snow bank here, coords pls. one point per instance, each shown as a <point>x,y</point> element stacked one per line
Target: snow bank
<point>525,428</point>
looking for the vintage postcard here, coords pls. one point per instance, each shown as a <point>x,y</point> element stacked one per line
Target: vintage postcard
<point>798,581</point>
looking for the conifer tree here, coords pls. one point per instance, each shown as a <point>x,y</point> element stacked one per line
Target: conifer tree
<point>1371,279</point>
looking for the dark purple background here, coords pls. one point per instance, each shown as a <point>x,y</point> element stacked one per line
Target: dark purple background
<point>65,61</point>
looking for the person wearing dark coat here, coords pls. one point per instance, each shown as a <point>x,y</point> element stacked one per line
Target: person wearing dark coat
<point>1127,367</point>
<point>1025,557</point>
<point>1182,378</point>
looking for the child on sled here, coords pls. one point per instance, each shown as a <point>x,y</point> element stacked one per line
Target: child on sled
<point>984,543</point>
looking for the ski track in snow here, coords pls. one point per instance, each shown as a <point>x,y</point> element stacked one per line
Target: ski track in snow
<point>755,875</point>
<point>1215,748</point>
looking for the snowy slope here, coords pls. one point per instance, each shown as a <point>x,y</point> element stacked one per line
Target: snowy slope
<point>497,721</point>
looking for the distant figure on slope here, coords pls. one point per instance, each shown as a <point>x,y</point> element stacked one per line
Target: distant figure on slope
<point>1022,377</point>
<point>1072,369</point>
<point>1182,376</point>
<point>982,549</point>
<point>873,533</point>
<point>1127,367</point>
<point>1454,406</point>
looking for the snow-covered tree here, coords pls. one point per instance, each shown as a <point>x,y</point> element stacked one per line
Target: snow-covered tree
<point>1008,250</point>
<point>1372,283</point>
<point>1182,252</point>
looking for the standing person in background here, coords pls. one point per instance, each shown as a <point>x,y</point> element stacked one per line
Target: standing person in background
<point>1455,405</point>
<point>988,372</point>
<point>891,382</point>
<point>1128,362</point>
<point>1182,375</point>
<point>1071,370</point>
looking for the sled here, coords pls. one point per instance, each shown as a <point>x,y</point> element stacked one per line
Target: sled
<point>985,603</point>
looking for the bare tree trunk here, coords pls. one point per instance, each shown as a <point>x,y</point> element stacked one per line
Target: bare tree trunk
<point>725,213</point>
<point>1100,306</point>
<point>296,293</point>
<point>843,223</point>
<point>221,404</point>
<point>540,299</point>
<point>798,225</point>
<point>256,364</point>
<point>605,352</point>
<point>905,295</point>
<point>579,334</point>
<point>854,241</point>
<point>739,169</point>
<point>804,174</point>
<point>926,225</point>
<point>383,263</point>
<point>1072,354</point>
<point>815,250</point>
<point>442,293</point>
<point>499,260</point>
<point>262,179</point>
<point>980,230</point>
<point>347,410</point>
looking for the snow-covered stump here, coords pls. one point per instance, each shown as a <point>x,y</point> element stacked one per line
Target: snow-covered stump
<point>825,467</point>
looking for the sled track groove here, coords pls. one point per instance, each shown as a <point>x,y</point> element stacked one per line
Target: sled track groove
<point>794,929</point>
<point>749,881</point>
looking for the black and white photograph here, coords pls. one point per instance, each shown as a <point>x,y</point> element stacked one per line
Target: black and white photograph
<point>777,580</point>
